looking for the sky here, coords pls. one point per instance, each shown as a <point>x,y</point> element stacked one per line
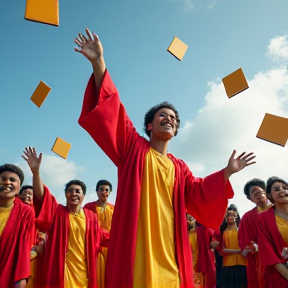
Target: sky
<point>222,35</point>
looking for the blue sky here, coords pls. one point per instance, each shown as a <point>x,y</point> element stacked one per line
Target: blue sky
<point>222,36</point>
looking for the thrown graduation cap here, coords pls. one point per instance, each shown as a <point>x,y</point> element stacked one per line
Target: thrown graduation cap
<point>44,11</point>
<point>235,83</point>
<point>274,129</point>
<point>40,94</point>
<point>177,48</point>
<point>61,147</point>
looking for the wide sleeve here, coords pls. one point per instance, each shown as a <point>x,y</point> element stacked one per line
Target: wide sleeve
<point>22,265</point>
<point>104,237</point>
<point>104,117</point>
<point>207,198</point>
<point>266,243</point>
<point>47,211</point>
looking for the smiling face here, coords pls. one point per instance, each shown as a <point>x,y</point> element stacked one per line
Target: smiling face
<point>27,196</point>
<point>231,217</point>
<point>9,185</point>
<point>258,196</point>
<point>74,195</point>
<point>103,193</point>
<point>279,193</point>
<point>164,124</point>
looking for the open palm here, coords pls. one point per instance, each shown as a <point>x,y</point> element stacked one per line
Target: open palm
<point>242,161</point>
<point>90,46</point>
<point>30,156</point>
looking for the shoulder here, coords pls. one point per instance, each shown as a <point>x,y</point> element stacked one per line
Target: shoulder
<point>263,216</point>
<point>90,204</point>
<point>250,214</point>
<point>179,162</point>
<point>23,208</point>
<point>111,206</point>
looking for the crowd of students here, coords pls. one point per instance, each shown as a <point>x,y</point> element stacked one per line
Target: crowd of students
<point>146,244</point>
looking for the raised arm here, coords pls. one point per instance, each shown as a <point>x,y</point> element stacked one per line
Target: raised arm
<point>92,49</point>
<point>212,192</point>
<point>34,162</point>
<point>103,115</point>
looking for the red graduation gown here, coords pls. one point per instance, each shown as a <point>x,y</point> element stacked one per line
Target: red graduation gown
<point>54,218</point>
<point>15,245</point>
<point>104,117</point>
<point>270,244</point>
<point>206,257</point>
<point>247,232</point>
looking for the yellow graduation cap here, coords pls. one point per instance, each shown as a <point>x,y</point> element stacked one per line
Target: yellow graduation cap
<point>177,48</point>
<point>61,147</point>
<point>274,129</point>
<point>45,11</point>
<point>40,94</point>
<point>235,83</point>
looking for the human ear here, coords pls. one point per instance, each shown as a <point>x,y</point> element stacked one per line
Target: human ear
<point>149,127</point>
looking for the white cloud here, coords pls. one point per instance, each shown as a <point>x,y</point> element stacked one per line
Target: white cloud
<point>55,173</point>
<point>278,48</point>
<point>207,141</point>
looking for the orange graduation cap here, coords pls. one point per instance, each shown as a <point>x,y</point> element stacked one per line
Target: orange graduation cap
<point>177,48</point>
<point>274,129</point>
<point>61,147</point>
<point>45,11</point>
<point>40,94</point>
<point>235,83</point>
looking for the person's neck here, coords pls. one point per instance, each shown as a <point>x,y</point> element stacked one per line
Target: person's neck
<point>264,206</point>
<point>281,210</point>
<point>101,203</point>
<point>5,203</point>
<point>74,208</point>
<point>158,145</point>
<point>231,226</point>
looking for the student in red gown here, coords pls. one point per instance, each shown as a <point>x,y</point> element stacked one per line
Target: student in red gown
<point>201,239</point>
<point>16,223</point>
<point>273,235</point>
<point>255,191</point>
<point>154,188</point>
<point>74,234</point>
<point>104,211</point>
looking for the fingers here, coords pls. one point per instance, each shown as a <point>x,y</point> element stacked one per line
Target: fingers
<point>89,34</point>
<point>26,159</point>
<point>83,38</point>
<point>233,154</point>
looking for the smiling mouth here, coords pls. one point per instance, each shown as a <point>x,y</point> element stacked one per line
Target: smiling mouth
<point>4,188</point>
<point>166,124</point>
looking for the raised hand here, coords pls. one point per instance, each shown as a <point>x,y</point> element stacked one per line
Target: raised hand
<point>34,161</point>
<point>90,46</point>
<point>237,164</point>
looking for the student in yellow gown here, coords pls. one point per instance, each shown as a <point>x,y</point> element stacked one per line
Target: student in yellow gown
<point>234,262</point>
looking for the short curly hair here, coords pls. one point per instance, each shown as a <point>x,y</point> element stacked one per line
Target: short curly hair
<point>24,187</point>
<point>76,182</point>
<point>149,116</point>
<point>13,168</point>
<point>254,182</point>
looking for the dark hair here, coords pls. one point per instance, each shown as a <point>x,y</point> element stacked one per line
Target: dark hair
<point>254,182</point>
<point>224,224</point>
<point>24,187</point>
<point>103,182</point>
<point>13,168</point>
<point>76,182</point>
<point>149,116</point>
<point>271,181</point>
